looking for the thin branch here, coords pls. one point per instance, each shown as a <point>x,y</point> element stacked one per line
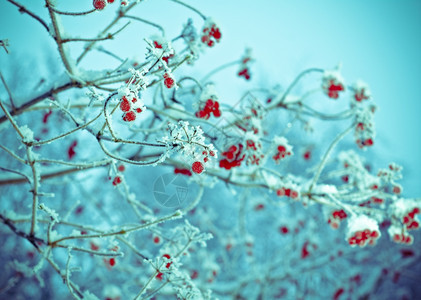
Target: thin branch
<point>190,7</point>
<point>175,215</point>
<point>57,35</point>
<point>327,154</point>
<point>67,133</point>
<point>39,98</point>
<point>16,172</point>
<point>9,117</point>
<point>23,9</point>
<point>91,44</point>
<point>296,80</point>
<point>109,36</point>
<point>8,92</point>
<point>146,22</point>
<point>73,13</point>
<point>13,154</point>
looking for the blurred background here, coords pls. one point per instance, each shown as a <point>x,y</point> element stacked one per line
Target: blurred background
<point>378,42</point>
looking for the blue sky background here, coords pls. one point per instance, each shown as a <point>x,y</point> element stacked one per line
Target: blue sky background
<point>378,42</point>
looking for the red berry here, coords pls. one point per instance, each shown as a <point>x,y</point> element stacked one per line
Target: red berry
<point>156,240</point>
<point>168,81</point>
<point>121,168</point>
<point>71,151</point>
<point>46,116</point>
<point>129,116</point>
<point>284,229</point>
<point>197,167</point>
<point>94,247</point>
<point>110,1</point>
<point>117,180</point>
<point>124,104</point>
<point>112,262</point>
<point>99,4</point>
<point>157,45</point>
<point>182,171</point>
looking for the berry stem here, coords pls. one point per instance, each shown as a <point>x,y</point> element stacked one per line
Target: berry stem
<point>190,7</point>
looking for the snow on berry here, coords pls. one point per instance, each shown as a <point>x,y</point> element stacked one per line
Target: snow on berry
<point>130,102</point>
<point>361,91</point>
<point>253,150</point>
<point>282,149</point>
<point>406,210</point>
<point>332,83</point>
<point>233,157</point>
<point>210,33</point>
<point>111,292</point>
<point>208,103</point>
<point>362,230</point>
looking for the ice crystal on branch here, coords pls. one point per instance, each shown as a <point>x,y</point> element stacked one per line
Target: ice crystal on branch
<point>189,141</point>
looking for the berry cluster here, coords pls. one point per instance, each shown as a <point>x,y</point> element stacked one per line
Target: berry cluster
<point>210,33</point>
<point>158,45</point>
<point>361,91</point>
<point>130,106</point>
<point>399,235</point>
<point>233,157</point>
<point>287,192</point>
<point>197,166</point>
<point>336,217</point>
<point>362,238</point>
<point>403,239</point>
<point>362,231</point>
<point>101,4</point>
<point>244,66</point>
<point>332,84</point>
<point>364,130</point>
<point>117,180</point>
<point>283,149</point>
<point>190,142</point>
<point>409,219</point>
<point>167,257</point>
<point>169,81</point>
<point>253,149</point>
<point>211,106</point>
